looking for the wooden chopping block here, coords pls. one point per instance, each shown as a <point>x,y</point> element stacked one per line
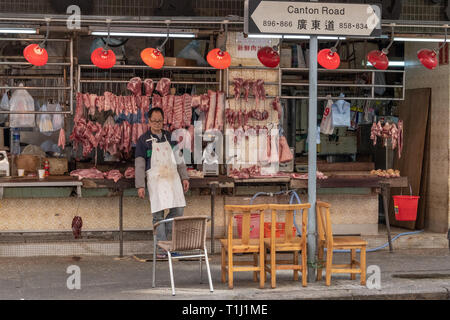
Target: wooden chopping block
<point>28,162</point>
<point>58,166</point>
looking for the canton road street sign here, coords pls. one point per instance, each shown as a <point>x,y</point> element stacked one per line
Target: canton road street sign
<point>312,18</point>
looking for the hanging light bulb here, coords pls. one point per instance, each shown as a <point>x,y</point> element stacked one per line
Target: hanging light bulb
<point>269,57</point>
<point>154,57</point>
<point>104,58</point>
<point>36,54</point>
<point>329,58</point>
<point>429,57</point>
<point>218,57</point>
<point>378,58</point>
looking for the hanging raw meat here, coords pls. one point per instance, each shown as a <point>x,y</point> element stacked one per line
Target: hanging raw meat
<point>261,90</point>
<point>192,134</point>
<point>218,121</point>
<point>204,102</point>
<point>149,87</point>
<point>165,108</point>
<point>163,86</point>
<point>246,85</point>
<point>285,151</point>
<point>86,100</point>
<point>394,136</point>
<point>196,100</point>
<point>156,101</point>
<point>373,133</point>
<point>277,106</point>
<point>170,111</point>
<point>135,86</point>
<point>79,107</point>
<point>62,139</point>
<point>177,113</point>
<point>237,87</point>
<point>400,138</point>
<point>212,110</point>
<point>101,103</point>
<point>92,103</point>
<point>145,107</point>
<point>108,102</point>
<point>187,107</point>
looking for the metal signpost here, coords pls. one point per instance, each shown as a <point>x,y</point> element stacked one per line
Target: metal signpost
<point>313,19</point>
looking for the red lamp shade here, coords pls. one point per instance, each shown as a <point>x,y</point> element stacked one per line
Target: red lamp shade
<point>268,57</point>
<point>378,59</point>
<point>328,59</point>
<point>35,55</point>
<point>153,58</point>
<point>428,58</point>
<point>219,59</point>
<point>103,59</point>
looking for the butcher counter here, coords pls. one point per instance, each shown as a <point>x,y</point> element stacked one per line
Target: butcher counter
<point>358,186</point>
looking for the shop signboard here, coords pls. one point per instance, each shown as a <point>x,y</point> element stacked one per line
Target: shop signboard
<point>312,18</point>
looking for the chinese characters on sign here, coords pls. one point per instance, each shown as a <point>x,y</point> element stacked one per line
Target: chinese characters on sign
<point>302,18</point>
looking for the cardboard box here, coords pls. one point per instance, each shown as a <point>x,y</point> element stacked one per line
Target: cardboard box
<point>179,62</point>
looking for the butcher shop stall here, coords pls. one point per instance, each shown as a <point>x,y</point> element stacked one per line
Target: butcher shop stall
<point>75,101</point>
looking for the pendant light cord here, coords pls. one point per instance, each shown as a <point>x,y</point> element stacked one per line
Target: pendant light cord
<point>108,23</point>
<point>161,47</point>
<point>386,50</point>
<point>44,43</point>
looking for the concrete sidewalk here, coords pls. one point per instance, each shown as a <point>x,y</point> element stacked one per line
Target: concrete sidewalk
<point>411,274</point>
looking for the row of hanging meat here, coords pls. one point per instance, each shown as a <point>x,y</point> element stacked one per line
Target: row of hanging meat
<point>111,137</point>
<point>392,131</point>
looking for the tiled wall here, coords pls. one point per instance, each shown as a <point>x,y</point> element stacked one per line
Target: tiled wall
<point>439,81</point>
<point>350,213</point>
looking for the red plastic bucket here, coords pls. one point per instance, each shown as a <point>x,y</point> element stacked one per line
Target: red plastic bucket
<point>254,225</point>
<point>405,207</point>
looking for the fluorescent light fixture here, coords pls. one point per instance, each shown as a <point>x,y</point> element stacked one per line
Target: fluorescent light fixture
<point>143,34</point>
<point>420,39</point>
<point>279,36</point>
<point>392,64</point>
<point>265,36</point>
<point>18,30</point>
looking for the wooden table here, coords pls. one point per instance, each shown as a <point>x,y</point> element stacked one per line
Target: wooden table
<point>51,181</point>
<point>363,181</point>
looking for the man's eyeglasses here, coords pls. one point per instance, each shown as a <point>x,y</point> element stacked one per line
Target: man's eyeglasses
<point>157,121</point>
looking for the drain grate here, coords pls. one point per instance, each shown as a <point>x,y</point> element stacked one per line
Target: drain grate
<point>422,276</point>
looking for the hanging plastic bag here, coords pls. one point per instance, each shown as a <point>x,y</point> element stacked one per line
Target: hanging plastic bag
<point>58,119</point>
<point>45,121</point>
<point>341,113</point>
<point>326,126</point>
<point>4,106</point>
<point>21,100</point>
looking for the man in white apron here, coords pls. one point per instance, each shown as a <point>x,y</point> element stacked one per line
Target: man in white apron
<point>166,180</point>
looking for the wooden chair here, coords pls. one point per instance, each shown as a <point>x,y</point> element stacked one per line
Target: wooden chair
<point>188,234</point>
<point>288,243</point>
<point>244,244</point>
<point>326,240</point>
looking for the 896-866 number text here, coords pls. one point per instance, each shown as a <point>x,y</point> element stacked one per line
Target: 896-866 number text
<point>273,23</point>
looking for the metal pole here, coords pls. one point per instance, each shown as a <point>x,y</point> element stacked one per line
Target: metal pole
<point>312,157</point>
